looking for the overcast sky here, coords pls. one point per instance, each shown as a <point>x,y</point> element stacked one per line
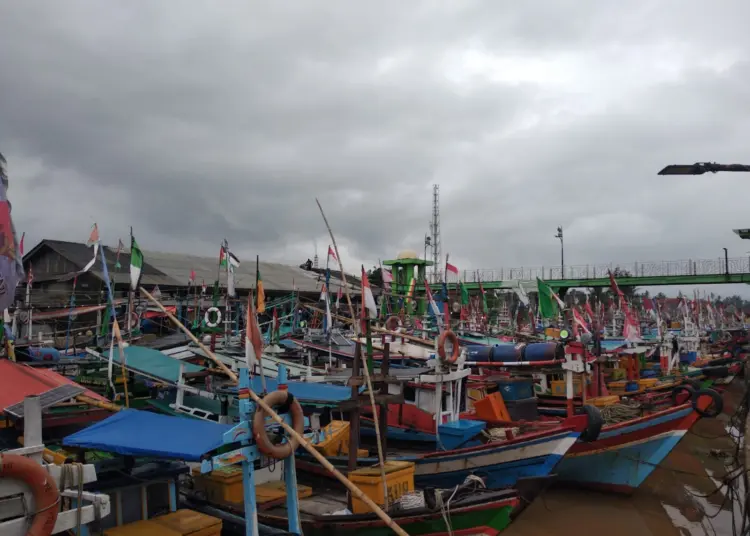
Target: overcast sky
<point>198,120</point>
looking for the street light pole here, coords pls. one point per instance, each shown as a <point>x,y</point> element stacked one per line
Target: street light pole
<point>562,252</point>
<point>726,261</point>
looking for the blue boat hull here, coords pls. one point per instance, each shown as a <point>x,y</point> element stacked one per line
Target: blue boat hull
<point>500,464</point>
<point>622,459</point>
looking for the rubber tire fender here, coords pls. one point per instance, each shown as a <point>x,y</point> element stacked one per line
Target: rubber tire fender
<point>685,387</point>
<point>712,411</point>
<point>594,426</point>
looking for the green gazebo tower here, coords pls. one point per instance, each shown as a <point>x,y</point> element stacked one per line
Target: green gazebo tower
<point>405,266</point>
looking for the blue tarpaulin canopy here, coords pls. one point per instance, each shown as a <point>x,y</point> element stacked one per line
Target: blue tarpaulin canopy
<point>140,433</point>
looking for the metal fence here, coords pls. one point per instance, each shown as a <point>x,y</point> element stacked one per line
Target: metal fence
<point>716,266</point>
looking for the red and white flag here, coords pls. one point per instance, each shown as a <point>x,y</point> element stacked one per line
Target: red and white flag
<point>579,320</point>
<point>30,275</point>
<point>192,277</point>
<point>450,268</point>
<point>368,300</point>
<point>387,276</point>
<point>332,253</point>
<point>94,236</point>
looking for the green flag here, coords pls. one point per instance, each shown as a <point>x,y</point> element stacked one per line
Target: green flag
<point>136,264</point>
<point>464,294</point>
<point>548,307</point>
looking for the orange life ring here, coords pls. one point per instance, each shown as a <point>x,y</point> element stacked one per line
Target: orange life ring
<point>42,486</point>
<point>393,323</point>
<point>284,450</point>
<point>448,334</point>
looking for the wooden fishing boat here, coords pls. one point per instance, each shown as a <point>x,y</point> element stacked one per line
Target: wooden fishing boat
<point>625,454</point>
<point>478,512</point>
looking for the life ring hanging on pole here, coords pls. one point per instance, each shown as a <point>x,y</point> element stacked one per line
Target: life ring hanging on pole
<point>43,487</point>
<point>289,403</point>
<point>455,350</point>
<point>207,317</point>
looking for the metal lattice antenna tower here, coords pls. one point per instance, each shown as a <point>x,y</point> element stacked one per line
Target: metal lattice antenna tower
<point>437,253</point>
<point>315,258</point>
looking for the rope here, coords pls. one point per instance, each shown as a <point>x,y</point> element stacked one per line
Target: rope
<point>499,434</point>
<point>67,476</point>
<point>617,413</point>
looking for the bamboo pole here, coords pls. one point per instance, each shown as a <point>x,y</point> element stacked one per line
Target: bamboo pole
<point>381,457</point>
<point>354,490</point>
<point>341,267</point>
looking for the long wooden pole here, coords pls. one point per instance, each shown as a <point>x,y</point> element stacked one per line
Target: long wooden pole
<point>341,267</point>
<point>354,490</point>
<point>364,361</point>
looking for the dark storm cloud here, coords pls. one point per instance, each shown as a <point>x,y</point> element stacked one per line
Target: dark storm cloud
<point>208,121</point>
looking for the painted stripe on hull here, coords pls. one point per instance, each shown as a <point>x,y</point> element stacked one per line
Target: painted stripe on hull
<point>622,468</point>
<point>501,468</point>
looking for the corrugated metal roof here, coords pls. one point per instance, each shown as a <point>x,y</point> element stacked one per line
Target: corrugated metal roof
<point>173,269</point>
<point>275,276</point>
<point>18,381</point>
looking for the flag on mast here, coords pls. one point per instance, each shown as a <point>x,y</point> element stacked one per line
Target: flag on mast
<point>368,300</point>
<point>136,264</point>
<point>92,241</point>
<point>331,253</point>
<point>120,245</point>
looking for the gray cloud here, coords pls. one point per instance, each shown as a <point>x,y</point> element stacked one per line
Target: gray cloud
<point>208,122</point>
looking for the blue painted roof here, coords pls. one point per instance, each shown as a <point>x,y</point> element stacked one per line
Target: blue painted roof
<point>141,433</point>
<point>153,362</point>
<point>306,392</point>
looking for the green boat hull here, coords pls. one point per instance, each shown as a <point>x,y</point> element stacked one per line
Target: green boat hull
<point>473,520</point>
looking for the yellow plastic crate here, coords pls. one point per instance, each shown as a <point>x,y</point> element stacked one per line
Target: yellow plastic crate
<point>220,485</point>
<point>276,491</point>
<point>617,388</point>
<point>140,528</point>
<point>188,523</point>
<point>602,401</point>
<point>399,478</point>
<point>558,387</point>
<point>645,383</point>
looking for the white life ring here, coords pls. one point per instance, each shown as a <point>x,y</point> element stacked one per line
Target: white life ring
<point>207,317</point>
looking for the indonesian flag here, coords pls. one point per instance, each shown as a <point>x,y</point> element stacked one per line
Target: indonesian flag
<point>578,320</point>
<point>589,312</point>
<point>616,289</point>
<point>94,236</point>
<point>332,253</point>
<point>30,276</point>
<point>323,293</point>
<point>92,241</point>
<point>368,300</point>
<point>192,277</point>
<point>387,276</point>
<point>450,268</point>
